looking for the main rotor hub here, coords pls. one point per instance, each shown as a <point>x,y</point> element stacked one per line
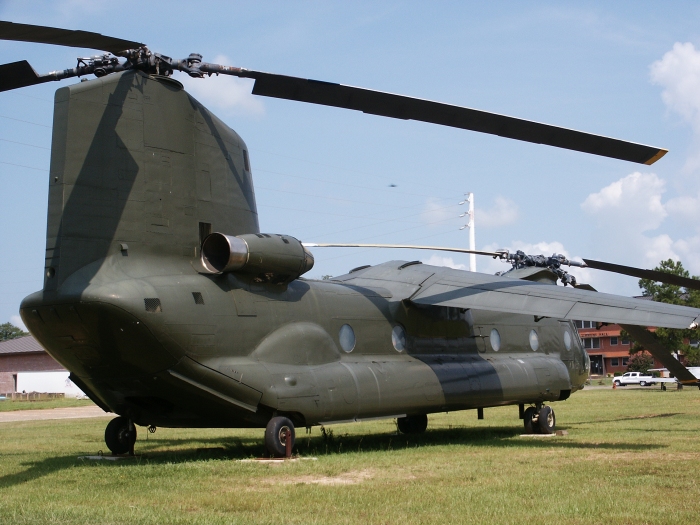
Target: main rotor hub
<point>520,259</point>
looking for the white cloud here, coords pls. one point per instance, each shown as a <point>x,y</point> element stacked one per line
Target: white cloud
<point>231,95</point>
<point>686,208</point>
<point>633,205</point>
<point>436,212</point>
<point>633,202</point>
<point>503,212</point>
<point>678,72</point>
<point>437,260</point>
<point>17,321</point>
<point>659,248</point>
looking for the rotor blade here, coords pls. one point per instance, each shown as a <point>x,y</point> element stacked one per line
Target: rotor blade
<point>650,343</point>
<point>654,275</point>
<point>408,108</point>
<point>19,74</point>
<point>64,37</point>
<point>406,246</point>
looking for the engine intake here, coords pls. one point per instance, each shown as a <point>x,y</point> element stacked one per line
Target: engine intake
<point>268,257</point>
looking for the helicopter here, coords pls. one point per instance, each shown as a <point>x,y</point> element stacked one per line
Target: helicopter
<point>170,308</point>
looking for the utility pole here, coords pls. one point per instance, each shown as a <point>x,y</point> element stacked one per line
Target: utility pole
<point>469,197</point>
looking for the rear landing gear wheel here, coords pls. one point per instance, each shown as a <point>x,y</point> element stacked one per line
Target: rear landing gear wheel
<point>412,424</point>
<point>278,431</point>
<point>528,416</point>
<point>546,420</point>
<point>120,435</point>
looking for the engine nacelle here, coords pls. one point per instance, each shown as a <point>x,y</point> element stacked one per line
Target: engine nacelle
<point>268,257</point>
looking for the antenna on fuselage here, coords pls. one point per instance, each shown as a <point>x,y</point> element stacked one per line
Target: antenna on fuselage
<point>469,198</point>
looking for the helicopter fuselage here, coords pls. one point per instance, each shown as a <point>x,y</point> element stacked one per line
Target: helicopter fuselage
<point>168,346</point>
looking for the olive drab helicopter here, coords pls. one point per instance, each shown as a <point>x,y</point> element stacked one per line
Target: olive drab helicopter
<point>170,308</point>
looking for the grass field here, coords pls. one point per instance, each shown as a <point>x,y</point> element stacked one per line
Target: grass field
<point>631,456</point>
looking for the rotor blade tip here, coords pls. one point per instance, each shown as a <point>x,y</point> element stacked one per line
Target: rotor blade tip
<point>656,157</point>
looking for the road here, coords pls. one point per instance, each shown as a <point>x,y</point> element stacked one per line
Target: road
<point>53,413</point>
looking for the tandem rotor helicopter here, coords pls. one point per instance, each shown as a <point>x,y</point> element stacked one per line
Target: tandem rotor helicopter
<point>170,308</point>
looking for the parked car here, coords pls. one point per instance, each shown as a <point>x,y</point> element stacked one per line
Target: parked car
<point>641,379</point>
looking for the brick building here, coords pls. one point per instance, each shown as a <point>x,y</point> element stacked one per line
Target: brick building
<point>23,355</point>
<point>608,351</point>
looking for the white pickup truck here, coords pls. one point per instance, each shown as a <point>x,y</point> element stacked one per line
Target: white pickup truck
<point>641,379</point>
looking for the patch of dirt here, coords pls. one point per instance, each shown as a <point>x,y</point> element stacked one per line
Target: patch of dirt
<point>346,478</point>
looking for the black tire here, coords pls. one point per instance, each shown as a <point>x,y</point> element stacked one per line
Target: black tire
<point>412,424</point>
<point>546,421</point>
<point>642,383</point>
<point>617,383</point>
<point>528,416</point>
<point>278,430</point>
<point>118,437</point>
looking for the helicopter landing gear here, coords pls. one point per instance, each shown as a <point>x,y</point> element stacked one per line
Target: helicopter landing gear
<point>120,435</point>
<point>529,419</point>
<point>546,420</point>
<point>279,437</point>
<point>412,424</point>
<point>539,420</point>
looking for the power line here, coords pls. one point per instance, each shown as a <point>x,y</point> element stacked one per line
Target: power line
<point>26,121</point>
<point>24,144</point>
<point>23,166</point>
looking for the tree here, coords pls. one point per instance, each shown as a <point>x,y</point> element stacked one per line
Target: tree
<point>10,331</point>
<point>674,339</point>
<point>640,362</point>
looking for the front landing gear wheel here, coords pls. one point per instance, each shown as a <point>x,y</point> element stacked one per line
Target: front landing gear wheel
<point>120,435</point>
<point>278,431</point>
<point>412,424</point>
<point>546,420</point>
<point>528,417</point>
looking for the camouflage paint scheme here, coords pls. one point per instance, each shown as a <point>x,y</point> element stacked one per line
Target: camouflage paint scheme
<point>141,173</point>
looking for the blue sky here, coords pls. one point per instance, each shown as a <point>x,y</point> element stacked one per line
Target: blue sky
<point>630,70</point>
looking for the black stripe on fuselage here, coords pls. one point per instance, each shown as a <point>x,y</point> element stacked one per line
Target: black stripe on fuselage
<point>468,381</point>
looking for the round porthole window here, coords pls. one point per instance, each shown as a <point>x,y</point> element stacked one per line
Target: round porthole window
<point>398,338</point>
<point>347,337</point>
<point>495,339</point>
<point>534,340</point>
<point>567,340</point>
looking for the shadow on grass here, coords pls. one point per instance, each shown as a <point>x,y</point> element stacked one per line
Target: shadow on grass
<point>637,418</point>
<point>162,451</point>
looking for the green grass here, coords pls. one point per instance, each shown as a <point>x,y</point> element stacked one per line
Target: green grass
<point>631,456</point>
<point>8,405</point>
